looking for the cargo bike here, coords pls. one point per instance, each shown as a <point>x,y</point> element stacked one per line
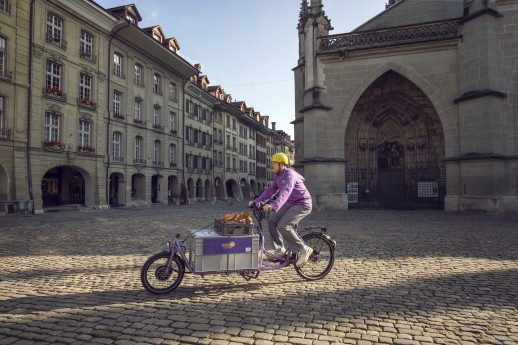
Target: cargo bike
<point>233,248</point>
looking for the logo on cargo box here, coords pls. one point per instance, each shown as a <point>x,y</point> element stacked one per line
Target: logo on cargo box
<point>228,245</point>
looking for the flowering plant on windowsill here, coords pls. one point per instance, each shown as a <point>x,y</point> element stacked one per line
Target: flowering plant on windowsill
<point>157,126</point>
<point>54,143</point>
<point>138,121</point>
<point>86,148</point>
<point>54,90</point>
<point>87,101</point>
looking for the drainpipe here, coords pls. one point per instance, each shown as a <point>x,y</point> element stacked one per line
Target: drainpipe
<point>107,188</point>
<point>183,131</point>
<point>29,106</point>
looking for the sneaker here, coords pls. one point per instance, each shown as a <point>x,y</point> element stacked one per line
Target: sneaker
<point>304,255</point>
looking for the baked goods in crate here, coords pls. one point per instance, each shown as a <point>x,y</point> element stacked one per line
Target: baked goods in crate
<point>235,224</point>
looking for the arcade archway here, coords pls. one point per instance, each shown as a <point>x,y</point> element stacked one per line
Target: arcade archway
<point>66,185</point>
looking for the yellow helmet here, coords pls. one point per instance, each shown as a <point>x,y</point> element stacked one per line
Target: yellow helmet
<point>280,158</point>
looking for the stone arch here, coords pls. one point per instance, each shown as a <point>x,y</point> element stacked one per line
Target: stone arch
<point>431,91</point>
<point>392,115</point>
<point>200,194</point>
<point>191,193</point>
<point>220,189</point>
<point>245,188</point>
<point>67,185</point>
<point>208,190</point>
<point>116,189</point>
<point>4,184</point>
<point>138,186</point>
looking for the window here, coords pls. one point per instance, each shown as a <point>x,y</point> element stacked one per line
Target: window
<point>2,115</point>
<point>156,152</point>
<point>189,108</point>
<point>86,45</point>
<point>173,94</point>
<point>117,64</point>
<point>51,127</point>
<point>172,154</point>
<point>172,122</point>
<point>54,28</point>
<point>156,117</point>
<point>84,133</point>
<point>156,84</point>
<point>85,87</point>
<point>138,75</point>
<point>138,149</point>
<point>117,139</point>
<point>53,75</point>
<point>137,115</point>
<point>3,55</point>
<point>117,102</point>
<point>4,6</point>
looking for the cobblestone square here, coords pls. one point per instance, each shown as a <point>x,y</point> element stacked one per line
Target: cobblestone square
<point>400,277</point>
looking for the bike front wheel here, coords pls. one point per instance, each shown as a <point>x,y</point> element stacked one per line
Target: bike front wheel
<point>155,276</point>
<point>321,261</point>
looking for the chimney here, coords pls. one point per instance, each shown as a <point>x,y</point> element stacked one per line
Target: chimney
<point>273,125</point>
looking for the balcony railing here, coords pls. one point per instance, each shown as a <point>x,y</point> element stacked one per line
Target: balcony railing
<point>158,127</point>
<point>53,145</point>
<point>6,75</point>
<point>391,37</point>
<point>139,161</point>
<point>86,149</point>
<point>54,93</point>
<point>119,74</point>
<point>139,82</point>
<point>5,134</point>
<point>173,131</point>
<point>88,56</point>
<point>158,163</point>
<point>140,123</point>
<point>118,116</point>
<point>57,40</point>
<point>118,159</point>
<point>87,103</point>
<point>173,165</point>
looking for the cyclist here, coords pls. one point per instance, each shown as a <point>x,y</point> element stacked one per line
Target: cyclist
<point>292,204</point>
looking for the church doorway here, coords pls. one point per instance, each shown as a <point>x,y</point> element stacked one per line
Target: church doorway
<point>395,148</point>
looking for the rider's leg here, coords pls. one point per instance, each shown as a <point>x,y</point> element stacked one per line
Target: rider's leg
<point>273,221</point>
<point>289,219</point>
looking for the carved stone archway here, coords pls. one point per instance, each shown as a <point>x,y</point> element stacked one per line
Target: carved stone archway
<point>394,148</point>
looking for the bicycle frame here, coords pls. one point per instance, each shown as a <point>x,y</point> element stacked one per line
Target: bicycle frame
<point>176,248</point>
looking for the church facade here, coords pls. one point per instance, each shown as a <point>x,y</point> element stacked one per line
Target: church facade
<point>416,108</point>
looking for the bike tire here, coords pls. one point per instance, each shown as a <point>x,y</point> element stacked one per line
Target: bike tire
<point>152,273</point>
<point>321,261</point>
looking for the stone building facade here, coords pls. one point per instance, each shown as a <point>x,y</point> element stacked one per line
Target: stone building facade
<point>416,108</point>
<point>96,111</point>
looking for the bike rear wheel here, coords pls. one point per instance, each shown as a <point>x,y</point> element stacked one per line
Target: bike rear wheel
<point>154,275</point>
<point>322,259</point>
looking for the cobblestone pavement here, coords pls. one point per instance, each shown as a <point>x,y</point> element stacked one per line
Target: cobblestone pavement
<point>405,277</point>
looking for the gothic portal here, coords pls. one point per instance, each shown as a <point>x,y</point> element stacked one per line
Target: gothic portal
<point>394,148</point>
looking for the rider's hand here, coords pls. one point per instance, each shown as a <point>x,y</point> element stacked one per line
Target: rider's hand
<point>250,204</point>
<point>267,208</point>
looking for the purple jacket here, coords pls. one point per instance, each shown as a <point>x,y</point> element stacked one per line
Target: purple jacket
<point>292,191</point>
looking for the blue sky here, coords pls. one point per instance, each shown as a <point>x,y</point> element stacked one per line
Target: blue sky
<point>247,47</point>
